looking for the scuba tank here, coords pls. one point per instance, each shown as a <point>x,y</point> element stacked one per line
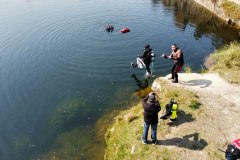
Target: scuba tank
<point>152,56</point>
<point>152,62</point>
<point>174,110</point>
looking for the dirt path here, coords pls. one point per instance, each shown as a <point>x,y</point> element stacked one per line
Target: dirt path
<point>218,124</point>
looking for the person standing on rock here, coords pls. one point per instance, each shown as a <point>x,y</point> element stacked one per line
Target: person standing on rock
<point>151,109</point>
<point>177,56</point>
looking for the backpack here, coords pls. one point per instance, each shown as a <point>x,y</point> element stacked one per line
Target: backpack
<point>232,152</point>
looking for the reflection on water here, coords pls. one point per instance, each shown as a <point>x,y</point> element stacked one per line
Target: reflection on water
<point>189,12</point>
<point>65,116</point>
<point>142,84</point>
<point>70,144</point>
<point>60,72</point>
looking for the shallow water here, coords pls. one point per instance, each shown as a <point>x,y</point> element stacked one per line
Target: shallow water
<point>60,72</point>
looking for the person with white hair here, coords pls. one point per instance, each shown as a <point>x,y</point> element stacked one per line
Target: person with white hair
<point>151,109</point>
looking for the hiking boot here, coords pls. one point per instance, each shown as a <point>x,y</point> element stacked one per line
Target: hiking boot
<point>143,141</point>
<point>154,142</point>
<point>174,81</point>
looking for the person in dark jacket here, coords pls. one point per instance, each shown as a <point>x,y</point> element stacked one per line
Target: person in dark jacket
<point>151,109</point>
<point>145,57</point>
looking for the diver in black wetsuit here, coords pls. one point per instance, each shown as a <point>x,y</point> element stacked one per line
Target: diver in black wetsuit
<point>109,28</point>
<point>146,58</point>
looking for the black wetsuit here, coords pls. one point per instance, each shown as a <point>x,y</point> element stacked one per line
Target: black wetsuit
<point>177,66</point>
<point>109,28</point>
<point>146,57</point>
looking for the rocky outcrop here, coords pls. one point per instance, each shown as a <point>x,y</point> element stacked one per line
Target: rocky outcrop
<point>215,7</point>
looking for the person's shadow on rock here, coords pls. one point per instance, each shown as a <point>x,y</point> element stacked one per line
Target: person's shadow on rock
<point>190,141</point>
<point>203,83</point>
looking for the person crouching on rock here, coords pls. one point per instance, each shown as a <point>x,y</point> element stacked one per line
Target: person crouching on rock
<point>151,110</point>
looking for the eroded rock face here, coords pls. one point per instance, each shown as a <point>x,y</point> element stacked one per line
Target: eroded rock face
<point>215,7</point>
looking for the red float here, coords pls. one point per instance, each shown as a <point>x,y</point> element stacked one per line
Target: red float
<point>125,30</point>
<point>237,143</point>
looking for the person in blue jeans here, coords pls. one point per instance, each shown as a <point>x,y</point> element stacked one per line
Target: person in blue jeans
<point>151,108</point>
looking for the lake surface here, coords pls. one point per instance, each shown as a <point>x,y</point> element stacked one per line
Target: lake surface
<point>60,72</point>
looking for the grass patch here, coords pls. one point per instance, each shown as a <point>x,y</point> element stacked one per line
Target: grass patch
<point>203,69</point>
<point>130,117</point>
<point>123,137</point>
<point>194,105</point>
<point>232,9</point>
<point>226,62</point>
<point>187,69</point>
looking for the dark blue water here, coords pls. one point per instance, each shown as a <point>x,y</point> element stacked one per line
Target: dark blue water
<point>60,72</point>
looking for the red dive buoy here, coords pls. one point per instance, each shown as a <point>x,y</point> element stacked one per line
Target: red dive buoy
<point>125,30</point>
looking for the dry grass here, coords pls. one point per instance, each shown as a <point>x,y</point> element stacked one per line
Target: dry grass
<point>123,136</point>
<point>129,117</point>
<point>187,68</point>
<point>226,62</point>
<point>232,9</point>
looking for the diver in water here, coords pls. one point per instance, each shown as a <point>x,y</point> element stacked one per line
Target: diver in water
<point>109,28</point>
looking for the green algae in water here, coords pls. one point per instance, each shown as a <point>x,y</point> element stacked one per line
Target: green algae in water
<point>21,144</point>
<point>66,114</point>
<point>69,136</point>
<point>69,145</point>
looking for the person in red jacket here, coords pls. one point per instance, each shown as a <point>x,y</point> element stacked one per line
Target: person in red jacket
<point>151,109</point>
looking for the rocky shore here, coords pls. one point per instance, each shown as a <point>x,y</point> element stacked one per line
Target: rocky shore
<point>197,134</point>
<point>216,7</point>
